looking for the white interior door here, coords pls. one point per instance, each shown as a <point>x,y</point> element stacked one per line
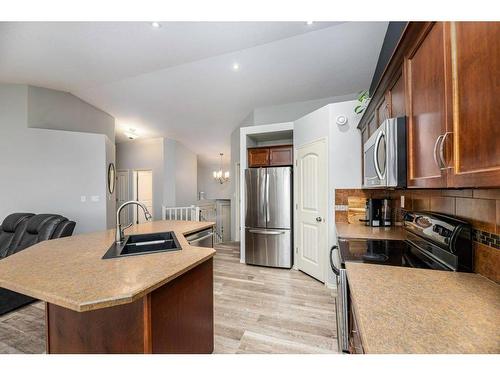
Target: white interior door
<point>311,208</point>
<point>143,189</point>
<point>122,194</point>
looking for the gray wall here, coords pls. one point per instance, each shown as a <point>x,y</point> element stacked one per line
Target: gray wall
<point>186,165</point>
<point>174,170</point>
<point>146,154</point>
<point>52,109</point>
<point>110,198</point>
<point>207,183</point>
<point>48,171</point>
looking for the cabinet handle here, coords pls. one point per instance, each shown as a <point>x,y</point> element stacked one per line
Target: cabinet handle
<point>436,145</point>
<point>441,151</point>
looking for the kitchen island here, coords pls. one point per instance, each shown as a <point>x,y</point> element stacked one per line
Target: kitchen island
<point>151,303</point>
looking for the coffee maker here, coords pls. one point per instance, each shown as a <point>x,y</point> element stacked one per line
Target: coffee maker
<point>378,212</point>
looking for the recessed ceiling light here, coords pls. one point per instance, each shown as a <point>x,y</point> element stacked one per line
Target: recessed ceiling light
<point>131,134</point>
<point>236,66</point>
<point>156,25</point>
<point>309,22</point>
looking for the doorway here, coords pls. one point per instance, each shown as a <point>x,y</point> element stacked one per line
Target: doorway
<point>311,208</point>
<point>142,182</point>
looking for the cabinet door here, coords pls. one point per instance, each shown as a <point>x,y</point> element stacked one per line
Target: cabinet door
<point>372,125</point>
<point>384,109</point>
<point>258,157</point>
<point>281,155</point>
<point>397,94</point>
<point>427,107</point>
<point>475,75</point>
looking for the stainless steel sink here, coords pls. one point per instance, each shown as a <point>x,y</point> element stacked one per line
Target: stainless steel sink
<point>139,244</point>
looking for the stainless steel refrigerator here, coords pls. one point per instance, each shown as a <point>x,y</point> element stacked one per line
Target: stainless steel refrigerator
<point>268,221</point>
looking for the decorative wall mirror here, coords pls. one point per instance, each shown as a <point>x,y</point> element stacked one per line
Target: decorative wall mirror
<point>111,178</point>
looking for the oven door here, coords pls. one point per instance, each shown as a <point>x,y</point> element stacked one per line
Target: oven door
<point>341,301</point>
<point>375,159</point>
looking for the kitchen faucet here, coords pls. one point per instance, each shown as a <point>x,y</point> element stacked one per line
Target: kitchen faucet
<point>119,236</point>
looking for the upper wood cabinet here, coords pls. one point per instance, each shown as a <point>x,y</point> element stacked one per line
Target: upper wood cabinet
<point>397,98</point>
<point>281,155</point>
<point>258,157</point>
<point>270,156</point>
<point>473,141</point>
<point>426,107</point>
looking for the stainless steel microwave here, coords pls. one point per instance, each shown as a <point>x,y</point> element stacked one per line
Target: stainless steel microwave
<point>385,156</point>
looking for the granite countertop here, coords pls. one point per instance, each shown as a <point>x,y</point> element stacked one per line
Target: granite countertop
<point>346,230</point>
<point>410,310</point>
<point>69,272</point>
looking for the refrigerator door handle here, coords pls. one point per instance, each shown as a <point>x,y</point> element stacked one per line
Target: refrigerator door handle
<point>258,231</point>
<point>268,216</point>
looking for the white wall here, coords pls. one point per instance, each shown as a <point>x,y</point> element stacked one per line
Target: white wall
<point>53,109</point>
<point>47,171</point>
<point>293,111</point>
<point>207,183</point>
<point>344,156</point>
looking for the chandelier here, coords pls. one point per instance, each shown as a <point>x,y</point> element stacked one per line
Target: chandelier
<point>219,175</point>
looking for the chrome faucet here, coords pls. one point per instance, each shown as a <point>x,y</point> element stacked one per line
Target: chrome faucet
<point>119,236</point>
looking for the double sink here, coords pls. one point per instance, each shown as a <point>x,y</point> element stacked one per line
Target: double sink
<point>138,244</point>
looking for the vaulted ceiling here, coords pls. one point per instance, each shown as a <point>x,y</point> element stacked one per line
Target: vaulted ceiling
<point>179,80</point>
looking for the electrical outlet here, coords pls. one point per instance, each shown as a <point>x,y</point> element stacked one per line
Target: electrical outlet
<point>402,201</point>
<point>94,198</point>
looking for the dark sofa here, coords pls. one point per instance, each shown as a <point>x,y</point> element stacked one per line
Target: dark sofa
<point>20,231</point>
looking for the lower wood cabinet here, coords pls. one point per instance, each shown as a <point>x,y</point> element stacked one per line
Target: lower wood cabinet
<point>355,345</point>
<point>270,156</point>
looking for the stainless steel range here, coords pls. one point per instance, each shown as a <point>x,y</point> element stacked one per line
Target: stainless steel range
<point>434,241</point>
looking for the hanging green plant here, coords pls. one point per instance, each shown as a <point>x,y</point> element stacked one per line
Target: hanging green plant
<point>363,99</point>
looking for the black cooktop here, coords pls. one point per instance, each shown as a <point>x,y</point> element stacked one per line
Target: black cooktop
<point>387,252</point>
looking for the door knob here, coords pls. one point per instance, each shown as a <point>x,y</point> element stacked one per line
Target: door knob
<point>319,219</point>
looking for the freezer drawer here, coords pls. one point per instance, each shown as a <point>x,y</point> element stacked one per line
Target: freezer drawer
<point>268,247</point>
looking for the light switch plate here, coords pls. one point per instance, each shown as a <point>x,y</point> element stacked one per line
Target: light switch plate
<point>83,198</point>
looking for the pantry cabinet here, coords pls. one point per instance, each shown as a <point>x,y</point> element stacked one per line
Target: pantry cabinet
<point>444,76</point>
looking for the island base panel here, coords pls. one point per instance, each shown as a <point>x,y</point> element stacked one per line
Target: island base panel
<point>175,318</point>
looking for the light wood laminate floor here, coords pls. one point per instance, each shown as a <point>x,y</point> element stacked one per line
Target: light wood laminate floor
<point>257,310</point>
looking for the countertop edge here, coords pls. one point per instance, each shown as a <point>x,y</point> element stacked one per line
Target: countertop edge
<point>121,299</point>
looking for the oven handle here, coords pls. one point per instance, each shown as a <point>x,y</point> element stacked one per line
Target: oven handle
<point>334,269</point>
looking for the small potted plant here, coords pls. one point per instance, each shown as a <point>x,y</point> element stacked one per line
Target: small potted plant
<point>363,99</point>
